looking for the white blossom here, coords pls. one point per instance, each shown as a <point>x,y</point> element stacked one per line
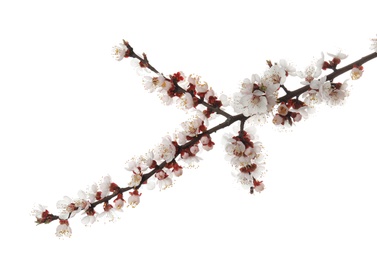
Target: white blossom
<point>166,150</point>
<point>119,51</point>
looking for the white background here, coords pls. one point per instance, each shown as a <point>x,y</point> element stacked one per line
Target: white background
<point>70,114</point>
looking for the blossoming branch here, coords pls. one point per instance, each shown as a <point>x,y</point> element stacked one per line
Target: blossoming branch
<point>260,99</point>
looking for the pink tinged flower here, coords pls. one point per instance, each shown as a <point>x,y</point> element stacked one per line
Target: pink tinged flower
<point>296,116</point>
<point>119,51</point>
<point>204,140</point>
<point>134,198</point>
<point>160,175</point>
<point>63,229</point>
<point>185,155</point>
<point>258,185</point>
<point>278,120</point>
<point>283,110</point>
<point>194,149</point>
<point>357,72</point>
<point>178,171</point>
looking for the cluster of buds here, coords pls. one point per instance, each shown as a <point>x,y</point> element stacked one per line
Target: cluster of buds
<point>287,112</point>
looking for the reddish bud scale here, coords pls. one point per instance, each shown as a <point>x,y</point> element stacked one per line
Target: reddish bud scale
<point>107,206</point>
<point>191,89</point>
<point>72,207</point>
<point>45,214</point>
<point>119,196</point>
<point>295,104</point>
<point>114,187</point>
<point>326,65</point>
<point>143,64</point>
<point>202,94</point>
<point>336,61</point>
<point>63,222</point>
<point>210,143</point>
<point>245,138</point>
<point>195,101</point>
<point>173,93</point>
<point>176,145</point>
<point>248,168</point>
<point>135,193</point>
<point>127,54</point>
<point>357,66</point>
<point>177,77</point>
<point>202,127</point>
<point>256,183</point>
<point>187,150</point>
<point>46,218</point>
<point>90,212</point>
<point>217,103</point>
<point>177,167</point>
<point>207,113</point>
<point>153,165</point>
<point>98,195</point>
<point>338,85</point>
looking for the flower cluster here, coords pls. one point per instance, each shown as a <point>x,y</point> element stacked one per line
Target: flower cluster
<point>291,111</point>
<point>85,203</point>
<point>246,156</point>
<point>257,99</point>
